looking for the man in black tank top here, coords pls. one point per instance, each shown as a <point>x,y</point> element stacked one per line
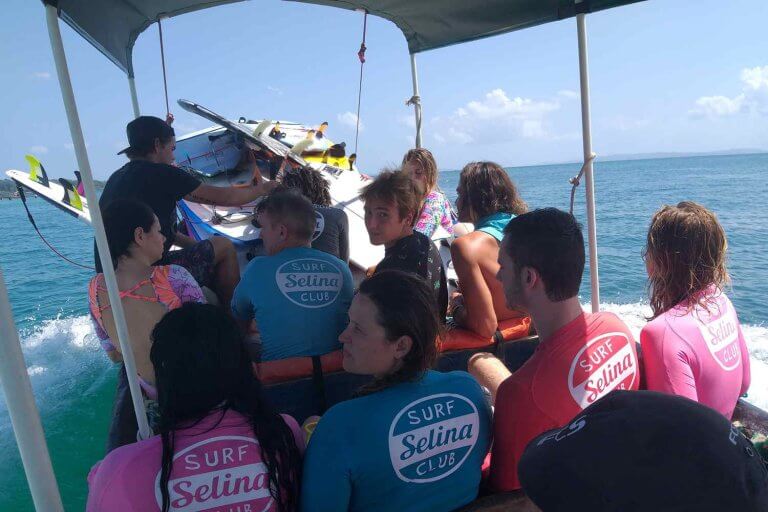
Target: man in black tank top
<point>332,226</point>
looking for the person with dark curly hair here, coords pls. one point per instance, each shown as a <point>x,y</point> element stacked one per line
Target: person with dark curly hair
<point>331,224</point>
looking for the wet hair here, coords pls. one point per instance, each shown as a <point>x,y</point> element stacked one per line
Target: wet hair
<point>290,207</point>
<point>405,306</point>
<point>426,161</point>
<point>686,246</point>
<point>550,241</point>
<point>486,188</point>
<point>394,186</point>
<point>309,182</point>
<point>121,218</point>
<point>202,367</point>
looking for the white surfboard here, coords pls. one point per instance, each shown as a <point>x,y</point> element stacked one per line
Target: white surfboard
<point>54,193</point>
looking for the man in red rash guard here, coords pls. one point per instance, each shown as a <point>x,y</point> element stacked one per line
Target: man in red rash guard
<point>581,356</point>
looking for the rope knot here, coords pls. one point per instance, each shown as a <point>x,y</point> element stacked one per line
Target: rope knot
<point>413,100</point>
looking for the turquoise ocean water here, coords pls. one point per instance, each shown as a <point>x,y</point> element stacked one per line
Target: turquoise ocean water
<point>74,381</point>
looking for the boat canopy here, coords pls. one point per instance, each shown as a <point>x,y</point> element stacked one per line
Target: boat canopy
<point>113,26</point>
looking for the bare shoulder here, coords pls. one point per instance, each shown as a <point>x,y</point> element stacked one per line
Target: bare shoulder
<point>472,246</point>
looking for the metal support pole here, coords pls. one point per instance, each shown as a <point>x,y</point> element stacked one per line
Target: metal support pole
<point>416,100</point>
<point>68,96</point>
<point>23,412</point>
<point>586,129</point>
<point>134,97</point>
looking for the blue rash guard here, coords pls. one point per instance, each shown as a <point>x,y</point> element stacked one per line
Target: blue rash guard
<point>417,446</point>
<point>299,297</point>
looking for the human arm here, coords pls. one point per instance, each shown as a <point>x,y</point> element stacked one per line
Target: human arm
<point>183,241</point>
<point>667,361</point>
<point>229,196</point>
<point>327,478</point>
<point>479,315</point>
<point>505,451</point>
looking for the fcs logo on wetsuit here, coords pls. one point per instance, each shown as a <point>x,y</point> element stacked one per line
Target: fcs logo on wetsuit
<point>431,437</point>
<point>606,363</point>
<point>720,332</point>
<point>309,283</point>
<point>215,475</point>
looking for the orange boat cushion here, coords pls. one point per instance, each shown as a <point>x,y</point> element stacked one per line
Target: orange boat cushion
<point>281,370</point>
<point>462,339</point>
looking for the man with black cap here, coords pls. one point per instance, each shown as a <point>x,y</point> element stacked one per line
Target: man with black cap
<point>581,356</point>
<point>149,176</point>
<point>641,451</point>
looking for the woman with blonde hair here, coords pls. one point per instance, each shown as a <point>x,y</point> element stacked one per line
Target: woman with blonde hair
<point>436,210</point>
<point>693,346</point>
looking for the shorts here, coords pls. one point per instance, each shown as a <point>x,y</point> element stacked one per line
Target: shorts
<point>198,260</point>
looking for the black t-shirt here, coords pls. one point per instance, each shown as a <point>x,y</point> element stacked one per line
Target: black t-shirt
<point>331,232</point>
<point>417,254</point>
<point>158,185</point>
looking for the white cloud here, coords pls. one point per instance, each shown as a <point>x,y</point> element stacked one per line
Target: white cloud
<point>753,98</point>
<point>567,93</point>
<point>42,75</point>
<point>349,119</point>
<point>275,90</point>
<point>496,117</point>
<point>40,150</point>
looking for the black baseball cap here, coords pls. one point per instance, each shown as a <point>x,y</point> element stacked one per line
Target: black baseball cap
<point>642,451</point>
<point>143,131</point>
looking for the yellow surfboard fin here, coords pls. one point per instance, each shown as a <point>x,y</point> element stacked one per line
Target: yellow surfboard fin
<point>71,197</point>
<point>36,170</point>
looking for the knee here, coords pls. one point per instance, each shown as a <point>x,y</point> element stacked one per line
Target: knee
<point>222,248</point>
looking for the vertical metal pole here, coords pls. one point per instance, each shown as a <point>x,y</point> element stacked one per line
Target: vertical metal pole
<point>134,96</point>
<point>68,96</point>
<point>586,129</point>
<point>417,100</point>
<point>23,411</point>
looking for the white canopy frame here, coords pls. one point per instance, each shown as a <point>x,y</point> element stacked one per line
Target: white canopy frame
<point>13,375</point>
<point>68,96</point>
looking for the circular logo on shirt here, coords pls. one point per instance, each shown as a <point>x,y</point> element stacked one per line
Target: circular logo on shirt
<point>220,473</point>
<point>430,438</point>
<point>607,362</point>
<point>309,283</point>
<point>720,333</point>
<point>319,225</point>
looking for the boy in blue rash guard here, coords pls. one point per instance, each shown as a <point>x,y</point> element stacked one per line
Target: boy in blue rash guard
<point>414,439</point>
<point>299,296</point>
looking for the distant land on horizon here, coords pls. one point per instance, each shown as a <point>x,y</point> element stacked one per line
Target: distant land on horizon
<point>617,157</point>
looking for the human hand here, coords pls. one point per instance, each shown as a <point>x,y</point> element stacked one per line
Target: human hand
<point>169,119</point>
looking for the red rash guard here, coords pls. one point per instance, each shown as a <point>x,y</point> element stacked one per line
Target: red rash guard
<point>583,361</point>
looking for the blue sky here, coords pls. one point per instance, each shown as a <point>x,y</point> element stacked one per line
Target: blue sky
<point>666,75</point>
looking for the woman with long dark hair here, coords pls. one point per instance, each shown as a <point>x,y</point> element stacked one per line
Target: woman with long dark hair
<point>693,346</point>
<point>487,197</point>
<point>414,439</point>
<point>221,446</point>
<point>148,292</point>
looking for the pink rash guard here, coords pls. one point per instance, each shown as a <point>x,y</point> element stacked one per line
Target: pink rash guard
<point>699,355</point>
<point>214,468</point>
